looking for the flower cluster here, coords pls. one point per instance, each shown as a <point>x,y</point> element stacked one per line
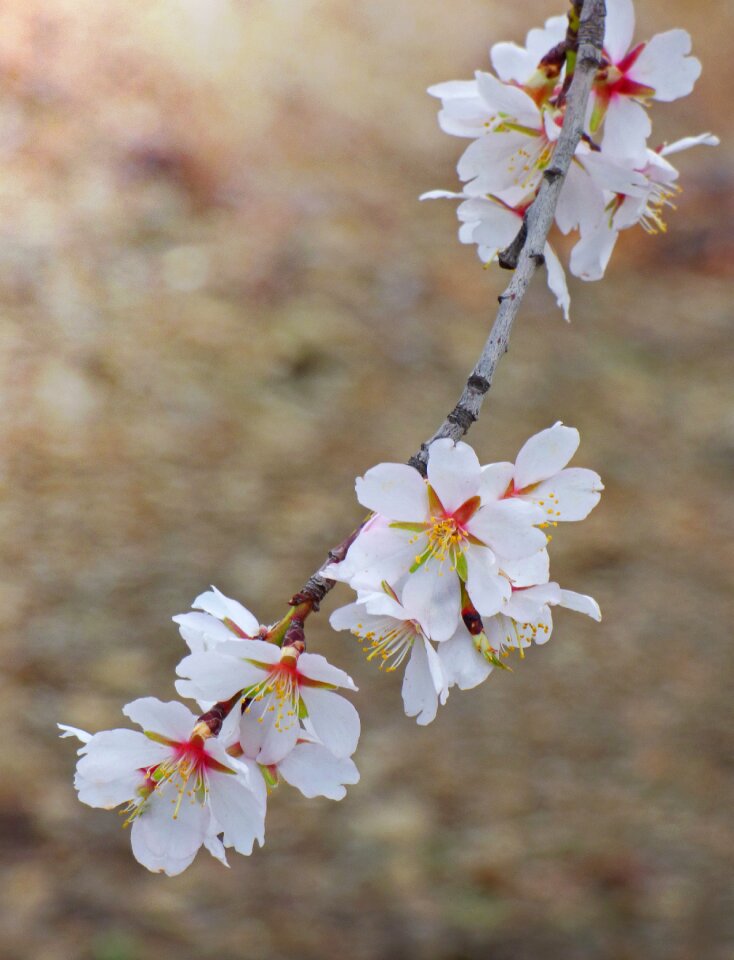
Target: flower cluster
<point>459,559</point>
<point>513,118</point>
<point>271,714</point>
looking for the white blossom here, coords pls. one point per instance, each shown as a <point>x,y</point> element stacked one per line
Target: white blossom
<point>438,533</point>
<point>279,686</point>
<point>181,789</point>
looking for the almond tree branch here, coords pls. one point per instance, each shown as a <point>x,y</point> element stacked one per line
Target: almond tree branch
<point>530,241</point>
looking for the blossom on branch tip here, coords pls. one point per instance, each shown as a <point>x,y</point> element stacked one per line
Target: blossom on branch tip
<point>181,788</point>
<point>279,686</point>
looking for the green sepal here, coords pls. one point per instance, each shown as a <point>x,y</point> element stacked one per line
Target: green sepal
<point>461,566</point>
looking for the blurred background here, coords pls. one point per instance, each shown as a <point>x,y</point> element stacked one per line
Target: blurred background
<point>221,301</point>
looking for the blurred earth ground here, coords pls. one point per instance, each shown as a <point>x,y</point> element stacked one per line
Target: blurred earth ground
<point>221,301</point>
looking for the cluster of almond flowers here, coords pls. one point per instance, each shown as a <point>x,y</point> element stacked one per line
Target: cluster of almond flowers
<point>459,559</point>
<point>513,118</point>
<point>451,573</point>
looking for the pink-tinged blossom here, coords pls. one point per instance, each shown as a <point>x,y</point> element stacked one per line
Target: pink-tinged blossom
<point>215,619</point>
<point>181,790</point>
<point>279,686</point>
<point>492,225</point>
<point>525,619</point>
<point>660,69</point>
<point>513,138</point>
<point>391,634</point>
<point>643,203</point>
<point>540,476</point>
<point>438,533</point>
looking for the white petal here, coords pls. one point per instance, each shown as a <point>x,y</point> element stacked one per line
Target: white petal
<point>507,528</point>
<point>334,720</point>
<point>544,454</point>
<point>626,129</point>
<point>487,588</point>
<point>111,754</point>
<point>453,472</point>
<point>571,495</point>
<point>316,772</point>
<point>347,617</point>
<point>433,595</point>
<point>423,683</point>
<point>619,28</point>
<point>557,280</point>
<point>315,667</point>
<point>665,66</point>
<point>238,811</point>
<point>216,848</point>
<point>529,571</point>
<point>277,740</point>
<point>67,731</point>
<point>494,481</point>
<point>581,202</point>
<point>486,164</point>
<point>173,720</point>
<point>526,606</point>
<point>463,665</point>
<point>215,603</point>
<point>685,143</point>
<point>379,553</point>
<point>201,631</point>
<point>590,256</point>
<point>394,490</point>
<point>164,844</point>
<point>217,677</point>
<point>454,89</point>
<point>541,40</point>
<point>507,99</point>
<point>512,62</point>
<point>581,603</point>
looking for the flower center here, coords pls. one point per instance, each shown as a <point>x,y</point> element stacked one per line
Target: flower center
<point>185,771</point>
<point>277,694</point>
<point>445,536</point>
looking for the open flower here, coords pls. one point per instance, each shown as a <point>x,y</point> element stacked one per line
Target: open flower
<point>437,534</point>
<point>181,789</point>
<point>391,635</point>
<point>525,619</point>
<point>279,686</point>
<point>540,476</point>
<point>519,65</point>
<point>657,70</point>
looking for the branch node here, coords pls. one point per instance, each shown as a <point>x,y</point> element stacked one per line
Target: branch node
<point>508,257</point>
<point>478,383</point>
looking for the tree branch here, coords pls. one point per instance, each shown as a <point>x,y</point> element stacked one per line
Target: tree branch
<point>528,248</point>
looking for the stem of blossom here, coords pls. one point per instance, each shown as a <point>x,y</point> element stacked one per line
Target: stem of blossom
<point>210,723</point>
<point>538,222</point>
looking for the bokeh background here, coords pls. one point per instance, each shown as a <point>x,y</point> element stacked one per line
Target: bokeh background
<point>221,301</point>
